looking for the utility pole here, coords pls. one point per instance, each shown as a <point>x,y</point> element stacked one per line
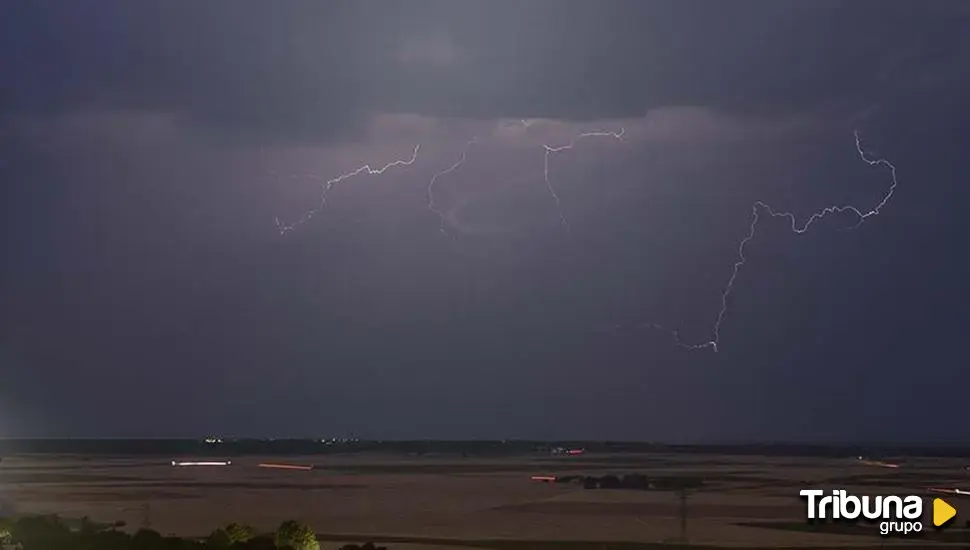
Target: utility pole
<point>683,516</point>
<point>146,519</point>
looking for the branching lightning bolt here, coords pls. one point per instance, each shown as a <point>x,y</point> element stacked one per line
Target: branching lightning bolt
<point>548,149</point>
<point>756,210</point>
<point>759,209</point>
<point>328,185</point>
<point>434,179</point>
<point>545,169</point>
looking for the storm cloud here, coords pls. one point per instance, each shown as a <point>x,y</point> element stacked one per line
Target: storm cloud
<point>314,71</point>
<point>148,147</point>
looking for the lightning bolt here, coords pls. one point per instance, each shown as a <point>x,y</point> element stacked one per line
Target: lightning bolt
<point>434,179</point>
<point>328,185</point>
<point>759,210</point>
<point>760,206</point>
<point>550,150</point>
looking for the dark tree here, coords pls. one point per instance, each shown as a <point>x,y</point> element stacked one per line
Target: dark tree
<point>239,532</point>
<point>147,538</point>
<point>218,539</point>
<point>262,542</point>
<point>296,535</point>
<point>40,532</point>
<point>635,481</point>
<point>106,540</point>
<point>610,482</point>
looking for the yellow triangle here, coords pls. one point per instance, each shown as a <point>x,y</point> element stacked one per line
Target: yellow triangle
<point>942,512</point>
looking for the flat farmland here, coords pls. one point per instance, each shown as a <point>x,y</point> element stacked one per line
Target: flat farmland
<point>451,501</point>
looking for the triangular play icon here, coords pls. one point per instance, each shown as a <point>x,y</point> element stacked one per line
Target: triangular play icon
<point>942,512</point>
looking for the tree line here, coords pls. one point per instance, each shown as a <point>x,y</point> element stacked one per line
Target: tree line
<point>51,532</point>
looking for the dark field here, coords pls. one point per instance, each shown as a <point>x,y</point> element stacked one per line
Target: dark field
<point>460,499</point>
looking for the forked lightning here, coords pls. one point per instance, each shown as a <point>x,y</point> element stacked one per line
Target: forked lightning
<point>328,185</point>
<point>756,210</point>
<point>548,150</point>
<point>434,179</point>
<point>545,168</point>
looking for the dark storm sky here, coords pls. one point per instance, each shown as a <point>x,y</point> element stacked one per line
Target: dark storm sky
<point>146,148</point>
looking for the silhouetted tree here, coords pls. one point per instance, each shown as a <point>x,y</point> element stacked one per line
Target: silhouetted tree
<point>635,481</point>
<point>610,482</point>
<point>87,527</point>
<point>261,542</point>
<point>176,543</point>
<point>239,532</point>
<point>296,535</point>
<point>218,539</point>
<point>107,540</point>
<point>40,532</point>
<point>147,539</point>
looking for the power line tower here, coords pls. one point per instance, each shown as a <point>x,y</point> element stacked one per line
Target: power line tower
<point>146,515</point>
